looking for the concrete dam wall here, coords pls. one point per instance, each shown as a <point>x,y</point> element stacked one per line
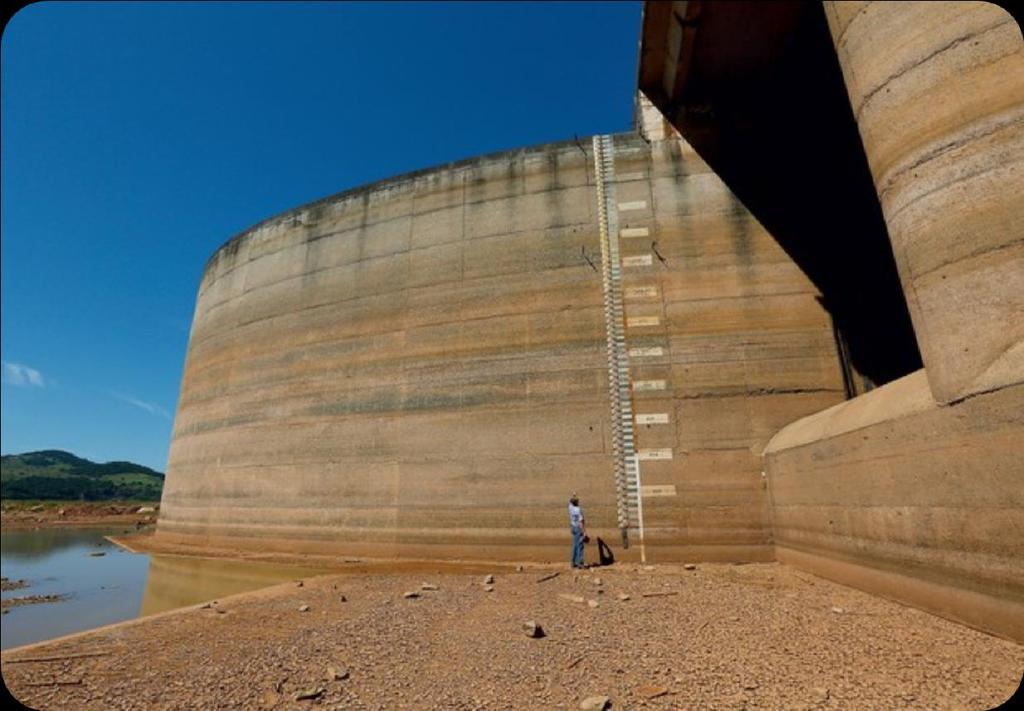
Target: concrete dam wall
<point>424,367</point>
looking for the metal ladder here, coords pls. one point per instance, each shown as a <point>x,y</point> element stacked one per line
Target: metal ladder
<point>627,467</point>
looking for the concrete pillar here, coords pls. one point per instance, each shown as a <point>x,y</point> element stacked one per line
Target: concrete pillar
<point>937,89</point>
<point>651,123</point>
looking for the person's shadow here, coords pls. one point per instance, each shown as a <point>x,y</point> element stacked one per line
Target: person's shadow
<point>604,552</point>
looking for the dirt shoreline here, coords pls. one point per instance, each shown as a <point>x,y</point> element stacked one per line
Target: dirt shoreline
<point>719,636</point>
<point>32,515</point>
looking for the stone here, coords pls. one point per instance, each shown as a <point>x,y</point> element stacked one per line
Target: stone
<point>488,580</point>
<point>298,583</point>
<point>597,581</point>
<point>689,566</point>
<point>146,510</point>
<point>532,629</point>
<point>595,703</point>
<point>519,569</point>
<point>97,554</point>
<point>750,685</point>
<point>623,597</point>
<point>336,674</point>
<point>648,568</point>
<point>311,693</point>
<point>572,598</point>
<point>411,595</point>
<point>344,599</point>
<point>60,512</point>
<point>837,610</point>
<point>429,586</point>
<point>592,603</point>
<point>488,588</point>
<point>304,608</point>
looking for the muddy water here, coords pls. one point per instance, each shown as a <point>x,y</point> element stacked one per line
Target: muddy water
<point>177,581</point>
<point>115,586</point>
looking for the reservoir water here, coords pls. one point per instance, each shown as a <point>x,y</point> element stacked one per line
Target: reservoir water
<point>98,590</point>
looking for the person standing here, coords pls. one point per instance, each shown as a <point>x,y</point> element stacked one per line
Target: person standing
<point>579,531</point>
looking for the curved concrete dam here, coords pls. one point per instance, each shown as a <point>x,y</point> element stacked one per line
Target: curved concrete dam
<point>429,365</point>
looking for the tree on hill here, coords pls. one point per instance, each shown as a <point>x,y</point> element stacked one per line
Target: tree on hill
<point>55,474</point>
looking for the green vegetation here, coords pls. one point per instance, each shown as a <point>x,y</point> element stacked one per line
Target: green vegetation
<point>53,474</point>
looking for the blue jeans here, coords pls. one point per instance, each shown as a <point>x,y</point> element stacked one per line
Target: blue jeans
<point>577,547</point>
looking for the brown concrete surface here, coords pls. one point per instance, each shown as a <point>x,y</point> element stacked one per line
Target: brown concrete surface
<point>729,637</point>
<point>417,367</point>
<point>900,496</point>
<point>937,89</point>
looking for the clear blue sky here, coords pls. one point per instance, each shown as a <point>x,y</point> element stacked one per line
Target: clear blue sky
<point>139,137</point>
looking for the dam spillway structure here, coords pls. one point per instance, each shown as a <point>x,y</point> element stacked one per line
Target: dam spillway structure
<point>782,320</point>
<point>867,136</point>
<point>421,367</point>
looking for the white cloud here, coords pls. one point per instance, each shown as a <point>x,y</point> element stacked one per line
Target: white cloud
<point>143,405</point>
<point>22,376</point>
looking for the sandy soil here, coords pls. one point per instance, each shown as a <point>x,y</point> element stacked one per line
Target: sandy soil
<point>18,515</point>
<point>753,636</point>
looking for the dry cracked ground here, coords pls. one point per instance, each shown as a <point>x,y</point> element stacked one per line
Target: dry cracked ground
<point>716,637</point>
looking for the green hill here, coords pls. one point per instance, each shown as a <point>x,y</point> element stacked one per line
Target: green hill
<point>53,474</point>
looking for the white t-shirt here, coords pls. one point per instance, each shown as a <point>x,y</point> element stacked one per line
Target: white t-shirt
<point>575,516</point>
